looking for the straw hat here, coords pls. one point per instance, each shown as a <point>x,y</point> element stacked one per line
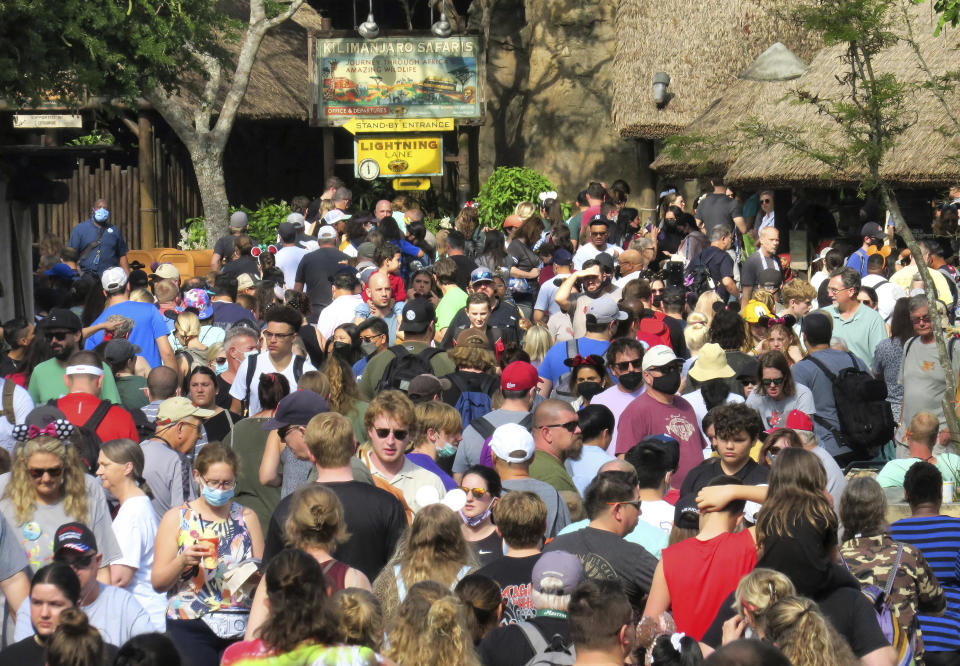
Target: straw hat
<point>711,363</point>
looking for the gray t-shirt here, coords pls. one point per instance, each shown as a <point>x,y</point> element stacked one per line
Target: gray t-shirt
<point>716,209</point>
<point>37,532</point>
<point>116,614</point>
<point>923,381</point>
<point>12,557</point>
<point>558,515</point>
<point>295,472</point>
<point>470,448</point>
<point>774,412</point>
<point>168,475</point>
<point>836,481</point>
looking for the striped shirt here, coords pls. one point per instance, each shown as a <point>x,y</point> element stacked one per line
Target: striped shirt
<point>938,538</point>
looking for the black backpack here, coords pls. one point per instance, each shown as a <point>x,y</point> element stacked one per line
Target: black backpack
<point>404,367</point>
<point>865,417</point>
<point>88,441</point>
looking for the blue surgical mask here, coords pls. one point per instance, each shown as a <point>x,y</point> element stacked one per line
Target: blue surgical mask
<point>221,368</point>
<point>446,450</point>
<point>101,214</point>
<point>216,496</point>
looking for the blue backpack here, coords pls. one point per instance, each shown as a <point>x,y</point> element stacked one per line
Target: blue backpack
<point>471,404</point>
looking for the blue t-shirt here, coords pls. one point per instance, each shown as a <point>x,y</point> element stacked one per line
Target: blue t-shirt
<point>102,256</point>
<point>148,325</point>
<point>552,366</point>
<point>858,261</point>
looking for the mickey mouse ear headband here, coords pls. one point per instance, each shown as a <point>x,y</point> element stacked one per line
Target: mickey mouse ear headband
<point>543,196</point>
<point>59,428</point>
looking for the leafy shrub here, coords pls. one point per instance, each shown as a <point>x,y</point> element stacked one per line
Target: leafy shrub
<point>506,187</point>
<point>262,229</point>
<point>193,236</point>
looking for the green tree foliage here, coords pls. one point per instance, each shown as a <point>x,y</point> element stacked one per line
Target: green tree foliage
<point>506,187</point>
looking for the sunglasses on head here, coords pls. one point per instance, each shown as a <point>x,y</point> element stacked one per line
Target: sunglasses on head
<point>772,382</point>
<point>570,426</point>
<point>478,493</point>
<point>623,366</point>
<point>38,472</point>
<point>383,433</point>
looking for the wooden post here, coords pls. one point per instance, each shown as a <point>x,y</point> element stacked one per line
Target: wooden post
<point>463,166</point>
<point>647,194</point>
<point>148,211</point>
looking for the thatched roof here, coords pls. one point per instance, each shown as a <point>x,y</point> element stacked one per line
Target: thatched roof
<point>703,51</point>
<point>922,157</point>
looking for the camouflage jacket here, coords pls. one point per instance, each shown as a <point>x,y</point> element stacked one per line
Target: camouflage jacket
<point>915,586</point>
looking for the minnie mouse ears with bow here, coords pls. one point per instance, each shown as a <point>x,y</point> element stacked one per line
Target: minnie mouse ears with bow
<point>59,428</point>
<point>770,322</point>
<point>578,360</point>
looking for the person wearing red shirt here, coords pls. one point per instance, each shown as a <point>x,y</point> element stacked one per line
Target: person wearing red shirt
<point>695,575</point>
<point>83,378</point>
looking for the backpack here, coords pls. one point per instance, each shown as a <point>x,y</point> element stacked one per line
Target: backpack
<point>953,282</point>
<point>252,361</point>
<point>562,388</point>
<point>902,639</point>
<point>6,401</point>
<point>471,404</point>
<point>88,441</point>
<point>485,429</point>
<point>554,653</point>
<point>865,416</point>
<point>405,366</point>
<point>698,280</point>
<point>654,331</point>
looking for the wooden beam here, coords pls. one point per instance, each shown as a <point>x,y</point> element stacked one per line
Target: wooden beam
<point>148,210</point>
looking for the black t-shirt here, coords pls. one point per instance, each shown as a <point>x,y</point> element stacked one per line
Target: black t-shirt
<point>720,265</point>
<point>245,264</point>
<point>676,326</point>
<point>9,366</point>
<point>750,474</point>
<point>756,262</point>
<point>465,266</point>
<point>488,549</point>
<point>30,653</point>
<point>225,246</point>
<point>374,519</point>
<point>505,317</point>
<point>606,556</point>
<point>508,646</point>
<point>313,272</point>
<point>224,399</point>
<point>514,575</point>
<point>218,426</point>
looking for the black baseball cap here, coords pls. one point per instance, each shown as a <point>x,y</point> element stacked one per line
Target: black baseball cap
<point>297,409</point>
<point>62,318</point>
<point>76,537</point>
<point>417,315</point>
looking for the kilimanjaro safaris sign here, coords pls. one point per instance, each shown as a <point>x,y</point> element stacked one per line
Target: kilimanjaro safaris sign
<point>396,77</point>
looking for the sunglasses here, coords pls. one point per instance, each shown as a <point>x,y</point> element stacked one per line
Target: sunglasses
<point>634,503</point>
<point>866,301</point>
<point>77,563</point>
<point>599,234</point>
<point>478,493</point>
<point>383,433</point>
<point>570,426</point>
<point>922,319</point>
<point>772,382</point>
<point>623,366</point>
<point>60,336</point>
<point>221,360</point>
<point>369,338</point>
<point>766,201</point>
<point>38,472</point>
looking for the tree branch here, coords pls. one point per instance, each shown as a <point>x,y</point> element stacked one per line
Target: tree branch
<point>934,86</point>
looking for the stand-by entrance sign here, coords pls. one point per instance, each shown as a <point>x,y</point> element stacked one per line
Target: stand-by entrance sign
<point>373,125</point>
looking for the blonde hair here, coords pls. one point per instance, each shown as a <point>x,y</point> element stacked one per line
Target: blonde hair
<point>525,210</point>
<point>186,326</point>
<point>316,381</point>
<point>331,440</point>
<point>342,385</point>
<point>537,342</point>
<point>696,332</point>
<point>166,290</point>
<point>798,290</point>
<point>394,404</point>
<point>316,519</point>
<point>765,297</point>
<point>437,415</point>
<point>799,629</point>
<point>359,617</point>
<point>431,628</point>
<point>705,304</point>
<point>141,296</point>
<point>478,358</point>
<point>442,242</point>
<point>21,491</point>
<point>760,589</point>
<point>213,351</point>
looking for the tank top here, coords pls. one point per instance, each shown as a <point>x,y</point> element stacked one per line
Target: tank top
<point>335,575</point>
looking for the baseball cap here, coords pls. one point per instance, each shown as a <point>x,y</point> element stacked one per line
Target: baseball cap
<point>286,230</point>
<point>473,337</point>
<point>711,364</point>
<point>512,221</point>
<point>76,537</point>
<point>686,515</point>
<point>797,420</point>
<point>119,350</point>
<point>166,272</point>
<point>297,409</point>
<point>512,443</point>
<point>138,279</point>
<point>61,270</point>
<point>605,310</point>
<point>658,356</point>
<point>296,219</point>
<point>247,281</point>
<point>770,278</point>
<point>481,274</point>
<point>871,229</point>
<point>366,250</point>
<point>238,220</point>
<point>327,232</point>
<point>519,376</point>
<point>426,386</point>
<point>62,318</point>
<point>334,216</point>
<point>178,408</point>
<point>562,257</point>
<point>342,269</point>
<point>557,572</point>
<point>823,253</point>
<point>113,279</point>
<point>199,300</point>
<point>417,315</point>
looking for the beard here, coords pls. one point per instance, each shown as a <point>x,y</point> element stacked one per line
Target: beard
<point>63,353</point>
<point>575,449</point>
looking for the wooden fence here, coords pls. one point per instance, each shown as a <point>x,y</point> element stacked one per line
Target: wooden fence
<point>175,194</point>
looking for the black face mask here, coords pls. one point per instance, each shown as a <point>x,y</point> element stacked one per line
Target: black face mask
<point>631,380</point>
<point>342,349</point>
<point>587,390</point>
<point>594,293</point>
<point>668,383</point>
<point>658,301</point>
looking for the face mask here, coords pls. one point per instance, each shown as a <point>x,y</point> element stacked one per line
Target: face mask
<point>668,383</point>
<point>368,348</point>
<point>631,380</point>
<point>248,354</point>
<point>587,390</point>
<point>594,293</point>
<point>216,496</point>
<point>473,522</point>
<point>221,368</point>
<point>101,214</point>
<point>446,450</point>
<point>658,300</point>
<point>341,349</point>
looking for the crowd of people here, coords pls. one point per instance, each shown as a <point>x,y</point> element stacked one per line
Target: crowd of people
<point>570,437</point>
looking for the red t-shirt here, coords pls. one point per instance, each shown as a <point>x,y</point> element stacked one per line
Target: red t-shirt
<point>701,574</point>
<point>396,286</point>
<point>117,424</point>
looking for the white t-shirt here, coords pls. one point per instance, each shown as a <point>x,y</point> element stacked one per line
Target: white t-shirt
<point>264,365</point>
<point>658,513</point>
<point>340,311</point>
<point>288,259</point>
<point>588,251</point>
<point>136,528</point>
<point>22,405</point>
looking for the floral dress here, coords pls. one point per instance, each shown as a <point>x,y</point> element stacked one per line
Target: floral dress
<point>204,594</point>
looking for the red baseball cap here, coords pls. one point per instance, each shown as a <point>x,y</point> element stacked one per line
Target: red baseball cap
<point>519,376</point>
<point>797,420</point>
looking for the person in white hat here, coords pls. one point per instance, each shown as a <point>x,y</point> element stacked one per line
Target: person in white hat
<point>660,411</point>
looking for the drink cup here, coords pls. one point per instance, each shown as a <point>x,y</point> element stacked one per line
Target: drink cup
<point>210,544</point>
